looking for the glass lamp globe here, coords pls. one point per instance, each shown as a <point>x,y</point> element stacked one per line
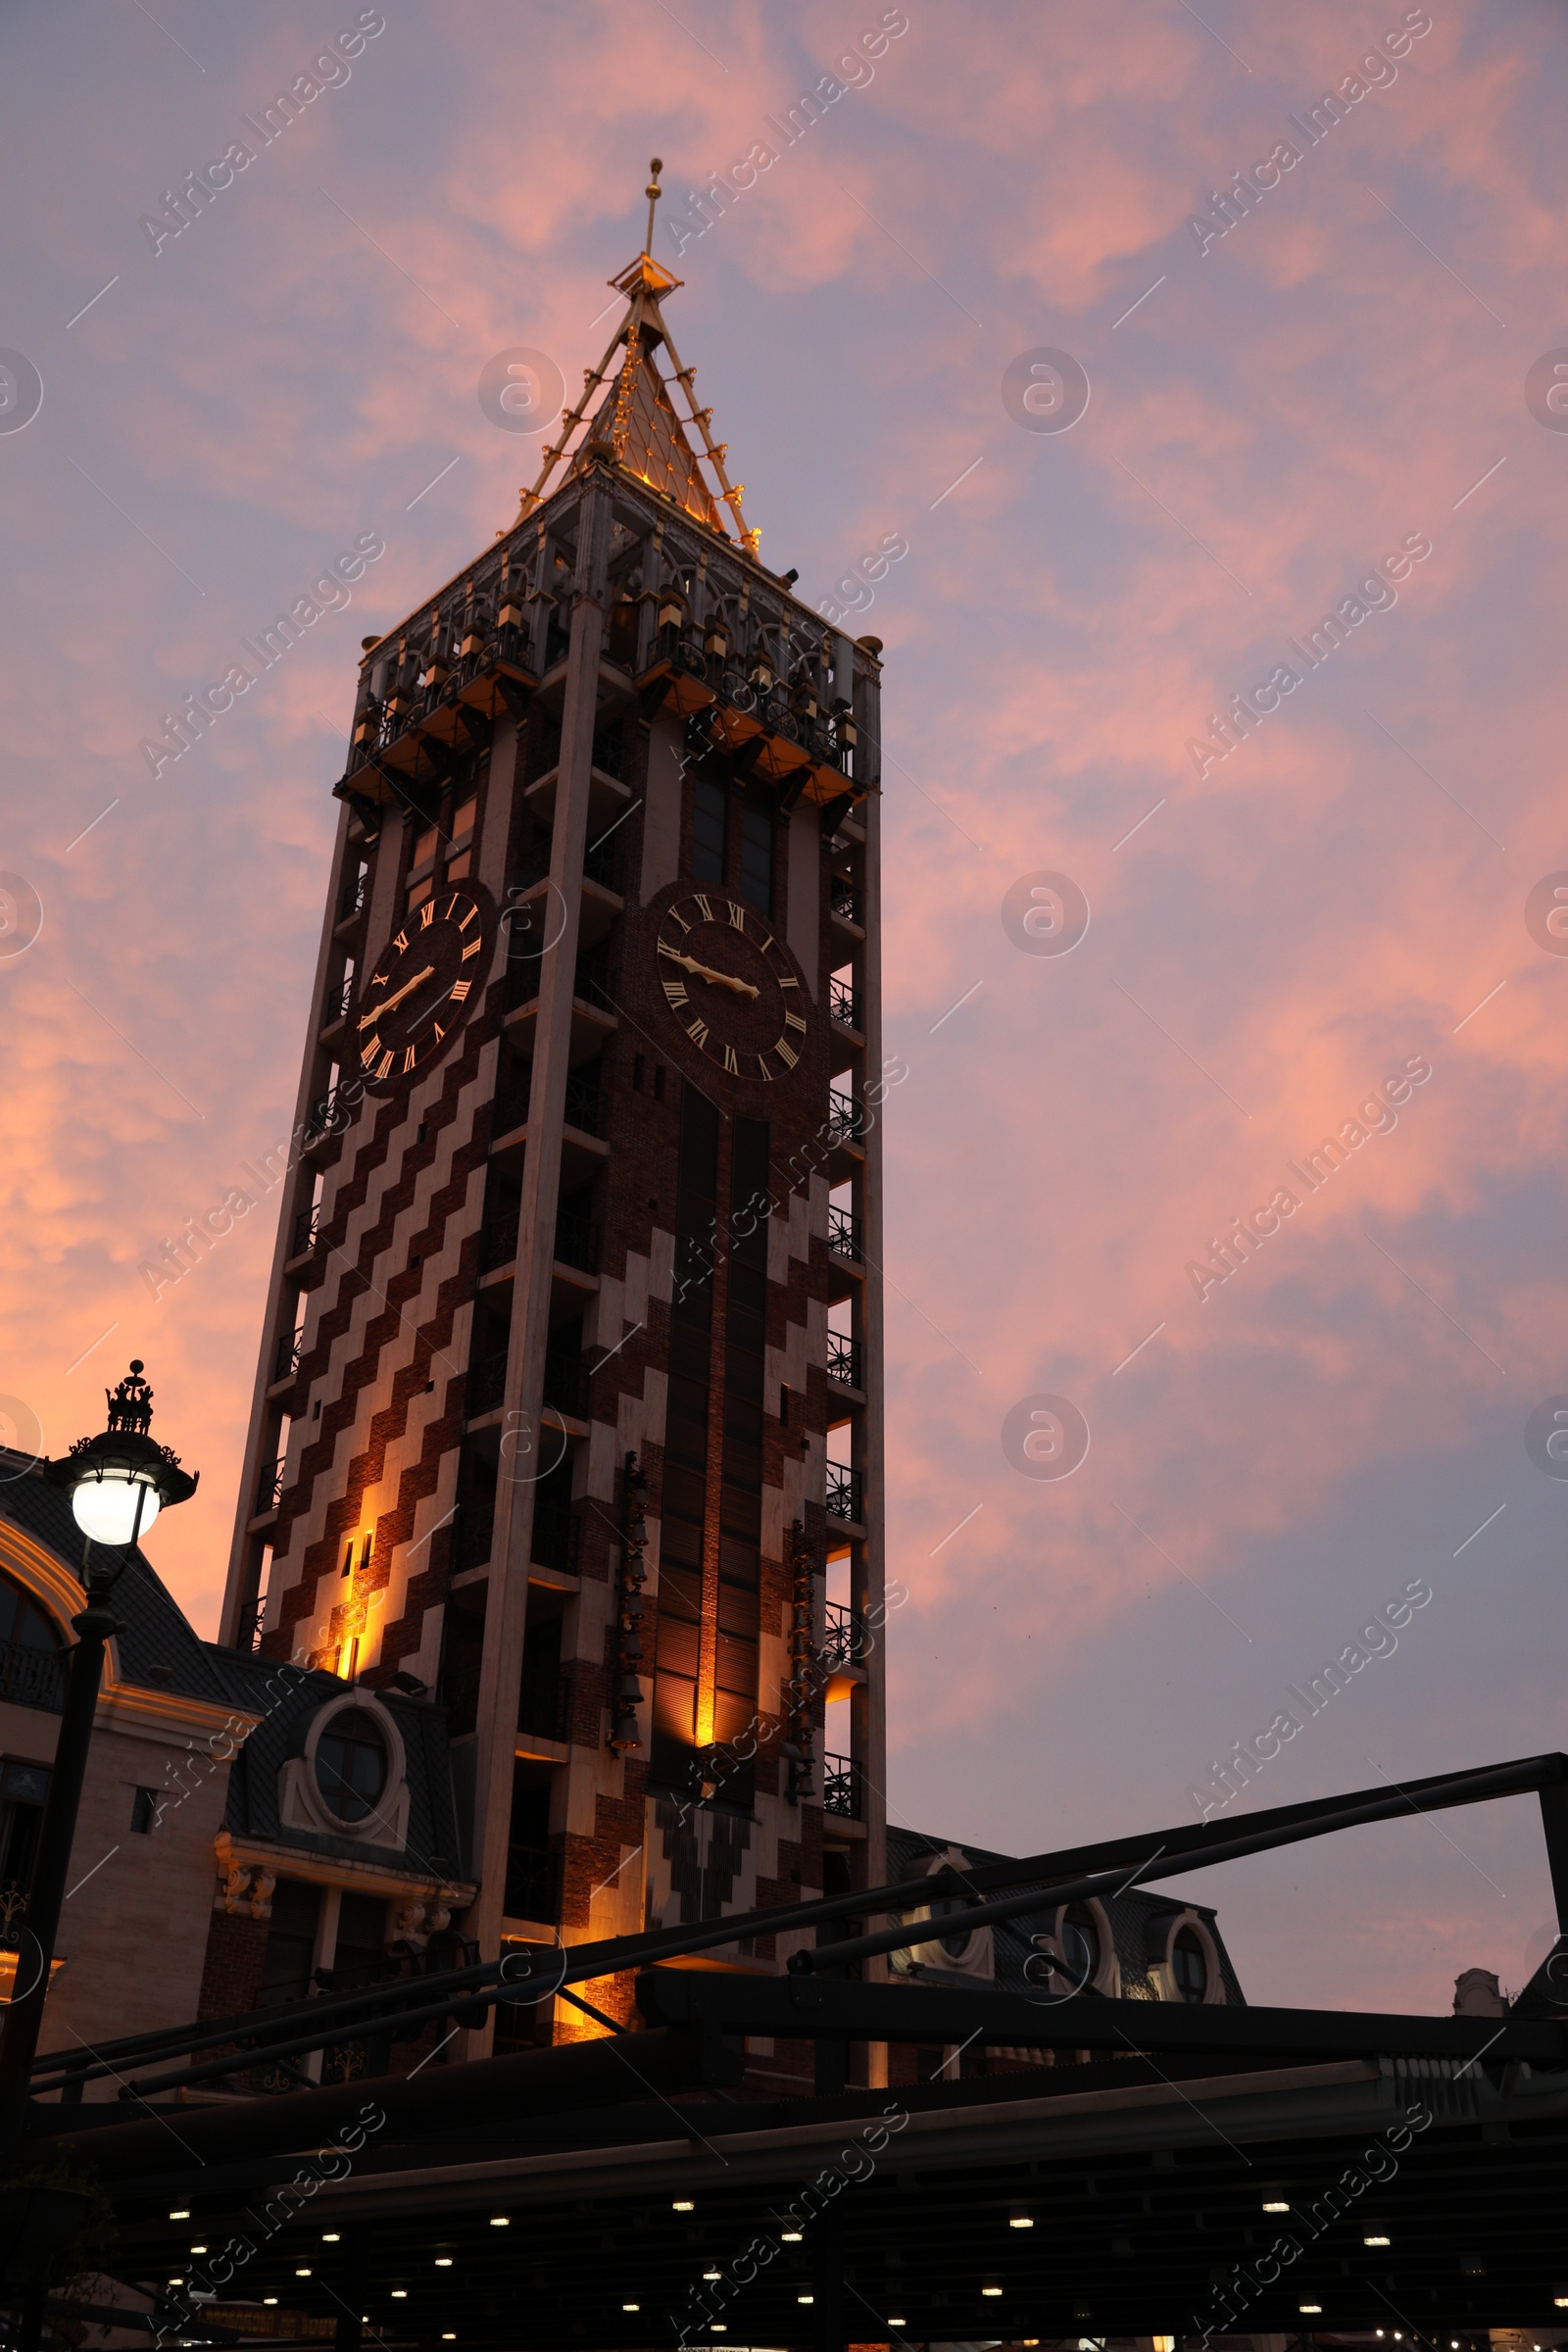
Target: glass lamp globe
<point>105,1507</point>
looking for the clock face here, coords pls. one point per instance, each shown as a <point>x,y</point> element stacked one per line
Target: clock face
<point>733,987</point>
<point>423,985</point>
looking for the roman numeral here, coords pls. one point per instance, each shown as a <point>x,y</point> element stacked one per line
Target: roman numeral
<point>788,980</point>
<point>737,915</point>
<point>411,1054</point>
<point>401,943</point>
<point>673,918</point>
<point>793,1020</point>
<point>368,1053</point>
<point>439,1033</point>
<point>665,949</point>
<point>428,914</point>
<point>708,912</point>
<point>786,1052</point>
<point>383,1065</point>
<point>471,950</point>
<point>730,1063</point>
<point>675,992</point>
<point>763,1070</point>
<point>460,989</point>
<point>698,1033</point>
<point>470,916</point>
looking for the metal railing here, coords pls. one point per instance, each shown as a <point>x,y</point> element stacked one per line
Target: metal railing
<point>790,711</point>
<point>609,754</point>
<point>844,1788</point>
<point>567,1384</point>
<point>337,1007</point>
<point>845,1362</point>
<point>846,1637</point>
<point>381,724</point>
<point>843,1232</point>
<point>846,900</point>
<point>846,1492</point>
<point>586,1105</point>
<point>843,1003</point>
<point>352,899</point>
<point>487,1383</point>
<point>286,1359</point>
<point>306,1226</point>
<point>576,1241</point>
<point>32,1676</point>
<point>846,1117</point>
<point>498,1243</point>
<point>269,1485</point>
<point>557,1530</point>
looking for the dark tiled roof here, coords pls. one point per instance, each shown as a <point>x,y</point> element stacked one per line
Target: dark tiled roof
<point>1139,1922</point>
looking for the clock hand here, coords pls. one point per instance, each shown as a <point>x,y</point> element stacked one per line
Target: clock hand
<point>704,971</point>
<point>405,989</point>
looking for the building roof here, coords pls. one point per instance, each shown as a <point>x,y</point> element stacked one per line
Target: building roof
<point>1139,1922</point>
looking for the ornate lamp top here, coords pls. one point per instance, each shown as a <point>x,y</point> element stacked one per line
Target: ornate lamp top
<point>130,1403</point>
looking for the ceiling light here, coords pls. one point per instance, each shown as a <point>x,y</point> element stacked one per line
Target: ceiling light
<point>1376,2239</point>
<point>400,2294</point>
<point>302,2274</point>
<point>501,2220</point>
<point>1276,2205</point>
<point>805,2298</point>
<point>269,2299</point>
<point>1316,2307</point>
<point>1020,2220</point>
<point>683,2205</point>
<point>631,2307</point>
<point>712,2274</point>
<point>198,2249</point>
<point>791,2237</point>
<point>330,2237</point>
<point>443,2262</point>
<point>177,2283</point>
<point>181,2213</point>
<point>991,2290</point>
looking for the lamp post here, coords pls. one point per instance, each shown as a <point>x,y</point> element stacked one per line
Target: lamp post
<point>117,1483</point>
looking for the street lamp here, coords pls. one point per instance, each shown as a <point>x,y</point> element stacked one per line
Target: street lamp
<point>117,1483</point>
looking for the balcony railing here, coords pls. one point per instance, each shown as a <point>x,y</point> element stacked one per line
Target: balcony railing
<point>338,1002</point>
<point>269,1485</point>
<point>846,1493</point>
<point>587,1105</point>
<point>845,1362</point>
<point>487,1383</point>
<point>843,1232</point>
<point>306,1225</point>
<point>378,725</point>
<point>31,1678</point>
<point>567,1384</point>
<point>286,1359</point>
<point>333,1114</point>
<point>844,1788</point>
<point>846,1117</point>
<point>498,1243</point>
<point>843,1003</point>
<point>847,1639</point>
<point>790,711</point>
<point>352,899</point>
<point>576,1241</point>
<point>557,1530</point>
<point>846,900</point>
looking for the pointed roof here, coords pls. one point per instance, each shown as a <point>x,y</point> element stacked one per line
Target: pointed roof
<point>637,424</point>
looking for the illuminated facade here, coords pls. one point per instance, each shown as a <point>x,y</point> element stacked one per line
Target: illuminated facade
<point>568,1409</point>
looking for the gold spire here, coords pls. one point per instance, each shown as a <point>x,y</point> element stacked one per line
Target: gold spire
<point>637,423</point>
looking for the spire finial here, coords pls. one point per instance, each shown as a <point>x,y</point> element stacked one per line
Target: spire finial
<point>653,192</point>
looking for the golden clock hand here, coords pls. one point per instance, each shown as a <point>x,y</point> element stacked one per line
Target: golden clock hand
<point>704,971</point>
<point>408,988</point>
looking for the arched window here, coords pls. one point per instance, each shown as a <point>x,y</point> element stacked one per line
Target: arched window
<point>1189,1965</point>
<point>1080,1944</point>
<point>30,1672</point>
<point>351,1763</point>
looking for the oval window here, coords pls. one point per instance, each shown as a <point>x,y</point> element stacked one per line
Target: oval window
<point>1189,1965</point>
<point>351,1764</point>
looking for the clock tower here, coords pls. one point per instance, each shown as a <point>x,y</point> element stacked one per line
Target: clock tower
<point>569,1410</point>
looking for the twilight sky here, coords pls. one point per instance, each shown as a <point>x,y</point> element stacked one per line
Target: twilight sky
<point>1338,379</point>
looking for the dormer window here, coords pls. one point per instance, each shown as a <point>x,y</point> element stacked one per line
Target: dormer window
<point>351,1764</point>
<point>1189,1966</point>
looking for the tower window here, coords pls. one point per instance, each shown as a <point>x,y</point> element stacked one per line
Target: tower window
<point>708,830</point>
<point>757,850</point>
